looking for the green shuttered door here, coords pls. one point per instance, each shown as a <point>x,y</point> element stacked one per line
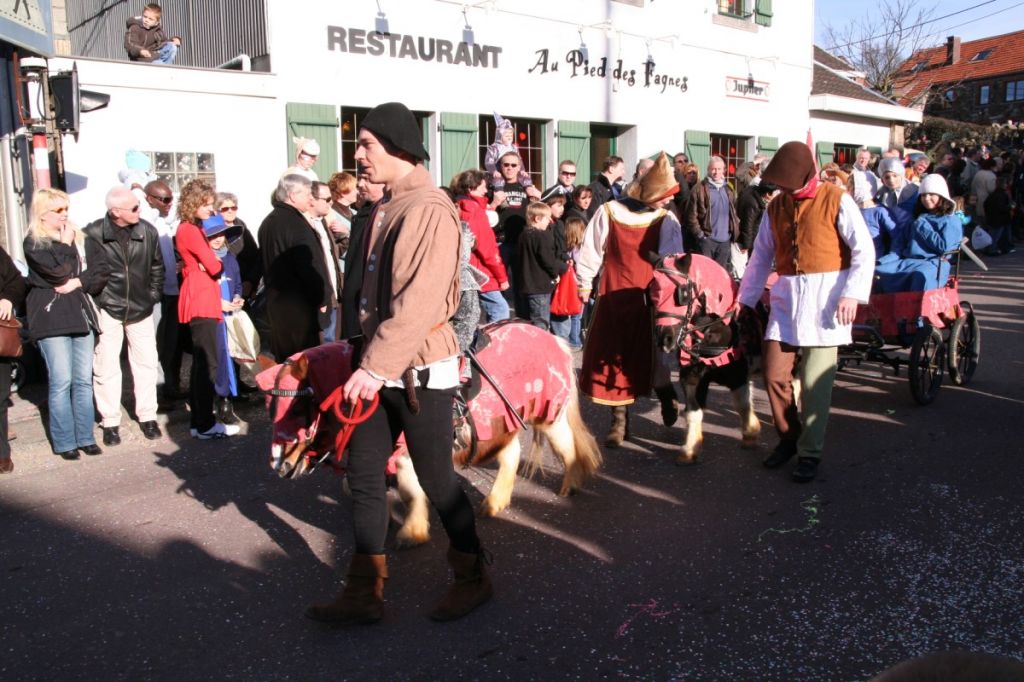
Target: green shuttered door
<point>826,150</point>
<point>317,122</point>
<point>698,148</point>
<point>574,145</point>
<point>458,144</point>
<point>767,145</point>
<point>763,12</point>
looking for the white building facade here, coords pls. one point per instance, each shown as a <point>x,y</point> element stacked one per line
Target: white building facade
<point>580,80</point>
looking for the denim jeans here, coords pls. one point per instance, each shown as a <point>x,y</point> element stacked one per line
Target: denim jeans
<point>495,306</point>
<point>568,327</point>
<point>332,326</point>
<point>69,364</point>
<point>166,54</point>
<point>540,310</point>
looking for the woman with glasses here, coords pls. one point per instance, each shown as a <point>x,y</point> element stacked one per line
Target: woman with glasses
<point>62,320</point>
<point>245,249</point>
<point>200,306</point>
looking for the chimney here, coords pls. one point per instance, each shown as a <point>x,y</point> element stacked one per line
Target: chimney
<point>952,50</point>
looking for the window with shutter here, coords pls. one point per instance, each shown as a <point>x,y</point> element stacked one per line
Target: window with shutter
<point>458,144</point>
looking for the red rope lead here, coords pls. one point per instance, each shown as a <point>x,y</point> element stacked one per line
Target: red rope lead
<point>358,413</point>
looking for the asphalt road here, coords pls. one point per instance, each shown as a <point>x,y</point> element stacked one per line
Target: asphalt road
<point>189,560</point>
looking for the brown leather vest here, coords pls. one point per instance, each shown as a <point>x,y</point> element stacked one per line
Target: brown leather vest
<point>807,240</point>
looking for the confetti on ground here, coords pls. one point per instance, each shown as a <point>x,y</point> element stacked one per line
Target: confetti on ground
<point>810,505</point>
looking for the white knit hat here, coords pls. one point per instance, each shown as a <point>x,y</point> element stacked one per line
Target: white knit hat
<point>890,165</point>
<point>933,183</point>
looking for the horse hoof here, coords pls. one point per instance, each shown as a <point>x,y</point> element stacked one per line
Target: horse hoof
<point>491,508</point>
<point>412,538</point>
<point>566,491</point>
<point>685,460</point>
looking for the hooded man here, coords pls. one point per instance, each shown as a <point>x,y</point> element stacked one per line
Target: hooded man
<point>409,292</point>
<point>618,354</point>
<point>823,253</point>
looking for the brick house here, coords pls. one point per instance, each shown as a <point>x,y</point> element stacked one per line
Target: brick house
<point>980,81</point>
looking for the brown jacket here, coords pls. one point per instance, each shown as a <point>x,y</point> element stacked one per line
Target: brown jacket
<point>698,213</point>
<point>410,283</point>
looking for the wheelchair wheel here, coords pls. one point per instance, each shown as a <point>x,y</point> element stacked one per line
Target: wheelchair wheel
<point>927,364</point>
<point>964,348</point>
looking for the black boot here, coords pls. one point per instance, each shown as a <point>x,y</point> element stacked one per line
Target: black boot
<point>226,411</point>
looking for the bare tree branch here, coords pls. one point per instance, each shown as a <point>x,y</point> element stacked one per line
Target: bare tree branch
<point>881,41</point>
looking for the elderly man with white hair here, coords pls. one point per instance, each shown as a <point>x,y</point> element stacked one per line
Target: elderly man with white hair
<point>131,248</point>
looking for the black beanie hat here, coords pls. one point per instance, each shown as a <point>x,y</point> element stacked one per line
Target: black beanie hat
<point>394,124</point>
<point>792,167</point>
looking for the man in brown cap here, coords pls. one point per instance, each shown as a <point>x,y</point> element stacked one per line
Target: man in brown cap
<point>409,291</point>
<point>618,354</point>
<point>824,256</point>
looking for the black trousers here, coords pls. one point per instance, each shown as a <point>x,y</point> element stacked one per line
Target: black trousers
<point>171,338</point>
<point>5,393</point>
<point>204,372</point>
<point>429,438</point>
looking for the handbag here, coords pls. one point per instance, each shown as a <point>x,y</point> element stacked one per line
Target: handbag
<point>566,299</point>
<point>10,338</point>
<point>980,239</point>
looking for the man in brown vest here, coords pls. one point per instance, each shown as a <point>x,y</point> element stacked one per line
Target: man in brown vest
<point>824,256</point>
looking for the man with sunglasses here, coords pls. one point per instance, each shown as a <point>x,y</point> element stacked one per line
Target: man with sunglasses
<point>169,341</point>
<point>131,248</point>
<point>511,203</point>
<point>566,181</point>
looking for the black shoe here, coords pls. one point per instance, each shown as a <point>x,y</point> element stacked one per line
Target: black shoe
<point>70,454</point>
<point>151,430</point>
<point>782,453</point>
<point>225,411</point>
<point>91,449</point>
<point>111,436</point>
<point>805,470</point>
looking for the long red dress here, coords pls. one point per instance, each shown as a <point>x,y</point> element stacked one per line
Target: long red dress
<point>618,357</point>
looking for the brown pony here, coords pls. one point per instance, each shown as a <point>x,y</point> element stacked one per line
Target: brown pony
<point>532,368</point>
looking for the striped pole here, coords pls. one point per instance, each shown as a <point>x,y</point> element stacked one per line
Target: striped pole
<point>40,160</point>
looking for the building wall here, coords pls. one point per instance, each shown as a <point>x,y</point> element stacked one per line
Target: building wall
<point>684,40</point>
<point>229,114</point>
<point>966,104</point>
<point>850,130</point>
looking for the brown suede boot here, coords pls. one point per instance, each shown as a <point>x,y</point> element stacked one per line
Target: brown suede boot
<point>471,589</point>
<point>669,404</point>
<point>362,600</point>
<point>620,426</point>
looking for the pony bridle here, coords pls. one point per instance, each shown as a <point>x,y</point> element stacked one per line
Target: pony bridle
<point>312,418</point>
<point>686,293</point>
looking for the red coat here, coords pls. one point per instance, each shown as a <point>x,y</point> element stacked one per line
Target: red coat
<point>485,256</point>
<point>200,292</point>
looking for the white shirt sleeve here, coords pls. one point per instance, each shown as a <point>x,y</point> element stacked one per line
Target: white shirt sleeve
<point>592,250</point>
<point>854,232</point>
<point>760,265</point>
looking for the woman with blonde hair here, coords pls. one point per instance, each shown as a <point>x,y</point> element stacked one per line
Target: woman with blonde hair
<point>62,320</point>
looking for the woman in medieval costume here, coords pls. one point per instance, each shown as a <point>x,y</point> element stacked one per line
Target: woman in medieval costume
<point>618,355</point>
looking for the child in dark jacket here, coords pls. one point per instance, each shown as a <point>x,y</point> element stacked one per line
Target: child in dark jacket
<point>538,266</point>
<point>219,235</point>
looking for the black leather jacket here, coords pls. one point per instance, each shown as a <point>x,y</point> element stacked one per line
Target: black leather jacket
<point>136,278</point>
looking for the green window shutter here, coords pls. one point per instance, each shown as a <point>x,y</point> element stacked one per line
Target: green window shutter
<point>316,122</point>
<point>876,151</point>
<point>574,145</point>
<point>698,149</point>
<point>459,134</point>
<point>767,145</point>
<point>763,12</point>
<point>826,150</point>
